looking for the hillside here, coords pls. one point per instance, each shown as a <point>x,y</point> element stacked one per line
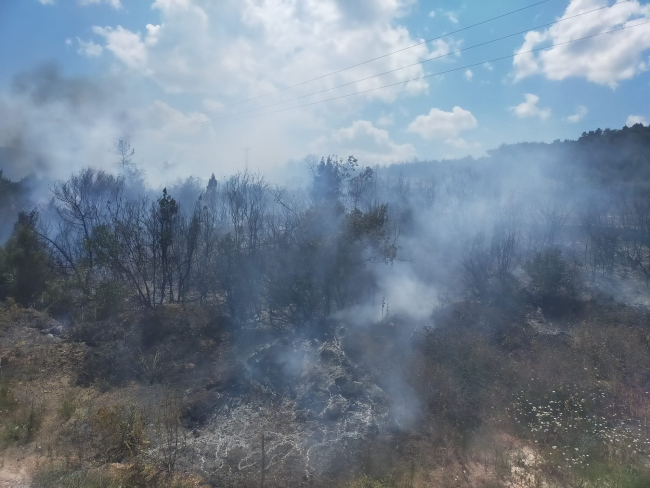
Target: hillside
<point>601,156</point>
<point>472,323</point>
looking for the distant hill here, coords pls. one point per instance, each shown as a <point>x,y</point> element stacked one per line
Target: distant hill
<point>600,156</point>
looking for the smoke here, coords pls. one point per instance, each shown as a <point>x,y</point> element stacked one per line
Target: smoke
<point>54,125</point>
<point>461,228</point>
<point>45,86</point>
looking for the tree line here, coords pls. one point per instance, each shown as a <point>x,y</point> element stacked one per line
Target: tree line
<point>295,256</point>
<point>265,253</point>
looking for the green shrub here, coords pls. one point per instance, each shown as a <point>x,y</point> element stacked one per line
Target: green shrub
<point>61,476</point>
<point>108,299</point>
<point>26,261</point>
<point>137,476</point>
<point>120,431</point>
<point>6,276</point>
<point>368,482</point>
<point>7,399</point>
<point>553,280</point>
<point>58,296</point>
<point>23,427</point>
<point>67,408</point>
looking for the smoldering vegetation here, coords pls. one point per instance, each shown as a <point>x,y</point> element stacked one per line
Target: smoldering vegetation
<point>453,323</point>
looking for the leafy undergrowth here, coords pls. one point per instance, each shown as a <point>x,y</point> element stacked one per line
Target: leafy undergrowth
<point>54,475</point>
<point>484,399</point>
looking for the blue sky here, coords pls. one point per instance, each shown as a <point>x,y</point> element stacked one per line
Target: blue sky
<point>164,73</point>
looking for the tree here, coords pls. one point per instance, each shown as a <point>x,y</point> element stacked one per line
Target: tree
<point>601,236</point>
<point>213,185</point>
<point>634,220</point>
<point>359,185</point>
<point>167,212</point>
<point>240,261</point>
<point>323,254</point>
<point>328,179</point>
<point>477,262</point>
<point>553,281</point>
<point>129,247</point>
<point>125,152</point>
<point>26,261</point>
<point>185,244</point>
<point>12,199</point>
<point>82,203</point>
<point>6,276</point>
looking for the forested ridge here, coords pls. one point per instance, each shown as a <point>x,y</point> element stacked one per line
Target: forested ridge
<point>476,322</point>
<point>104,228</point>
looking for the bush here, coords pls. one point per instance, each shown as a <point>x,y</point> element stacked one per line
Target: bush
<point>25,261</point>
<point>60,476</point>
<point>120,431</point>
<point>553,280</point>
<point>367,482</point>
<point>6,277</point>
<point>108,299</point>
<point>67,408</point>
<point>7,399</point>
<point>156,325</point>
<point>58,297</point>
<point>26,424</point>
<point>108,364</point>
<point>137,476</point>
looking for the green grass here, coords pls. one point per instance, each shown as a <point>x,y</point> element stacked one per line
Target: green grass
<point>67,408</point>
<point>23,427</point>
<point>368,482</point>
<point>60,476</point>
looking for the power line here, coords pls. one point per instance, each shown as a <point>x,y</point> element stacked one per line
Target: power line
<point>452,53</point>
<point>388,54</point>
<point>232,116</point>
<point>494,60</point>
<point>371,60</point>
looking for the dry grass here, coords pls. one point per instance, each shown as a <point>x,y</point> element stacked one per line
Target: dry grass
<point>501,406</point>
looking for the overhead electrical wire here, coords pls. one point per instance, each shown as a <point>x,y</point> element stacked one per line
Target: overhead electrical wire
<point>493,60</point>
<point>232,117</point>
<point>388,54</point>
<point>512,12</point>
<point>452,53</point>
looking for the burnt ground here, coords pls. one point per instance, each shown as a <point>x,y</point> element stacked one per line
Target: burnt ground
<point>428,401</point>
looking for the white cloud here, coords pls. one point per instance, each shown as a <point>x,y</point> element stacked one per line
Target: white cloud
<point>163,116</point>
<point>46,2</point>
<point>116,4</point>
<point>153,31</point>
<point>128,46</point>
<point>606,60</point>
<point>581,113</point>
<point>89,49</point>
<point>469,75</point>
<point>636,119</point>
<point>529,108</point>
<point>220,53</point>
<point>443,48</point>
<point>369,144</point>
<point>196,49</point>
<point>488,66</point>
<point>438,124</point>
<point>452,16</point>
<point>212,105</point>
<point>68,42</point>
<point>386,120</point>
